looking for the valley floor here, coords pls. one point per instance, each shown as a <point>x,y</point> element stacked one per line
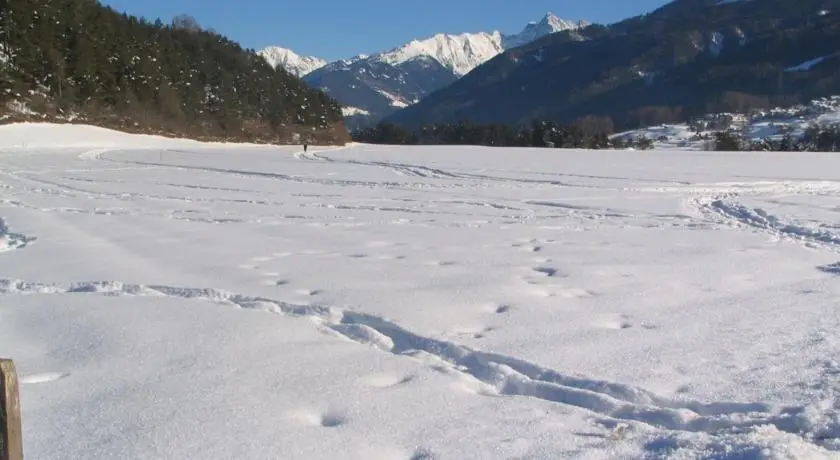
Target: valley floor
<point>171,299</point>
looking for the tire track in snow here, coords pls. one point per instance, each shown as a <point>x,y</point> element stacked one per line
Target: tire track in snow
<point>402,169</point>
<point>257,174</point>
<point>435,173</point>
<point>501,375</point>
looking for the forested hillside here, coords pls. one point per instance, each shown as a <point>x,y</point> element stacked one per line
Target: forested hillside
<point>79,60</point>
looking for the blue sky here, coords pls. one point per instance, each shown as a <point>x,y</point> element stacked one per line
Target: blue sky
<point>334,29</point>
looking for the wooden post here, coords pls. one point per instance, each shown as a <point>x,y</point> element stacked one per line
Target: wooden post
<point>11,441</point>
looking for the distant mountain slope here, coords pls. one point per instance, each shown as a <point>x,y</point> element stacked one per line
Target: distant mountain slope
<point>371,87</point>
<point>291,61</point>
<point>688,57</point>
<point>79,60</point>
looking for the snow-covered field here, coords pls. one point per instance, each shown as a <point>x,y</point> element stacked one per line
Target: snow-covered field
<point>168,299</point>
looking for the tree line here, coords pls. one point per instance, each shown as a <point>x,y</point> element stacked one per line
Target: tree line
<point>537,133</point>
<point>816,138</point>
<point>77,56</point>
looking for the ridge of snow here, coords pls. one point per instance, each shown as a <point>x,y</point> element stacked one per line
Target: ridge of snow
<point>291,61</point>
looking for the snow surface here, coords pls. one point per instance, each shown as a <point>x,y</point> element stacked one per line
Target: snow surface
<point>291,61</point>
<point>168,299</point>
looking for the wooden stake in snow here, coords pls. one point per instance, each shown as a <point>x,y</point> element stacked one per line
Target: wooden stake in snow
<point>11,441</point>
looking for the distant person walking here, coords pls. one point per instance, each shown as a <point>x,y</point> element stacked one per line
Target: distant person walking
<point>305,147</point>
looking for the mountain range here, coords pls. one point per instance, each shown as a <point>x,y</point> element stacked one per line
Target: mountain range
<point>372,87</point>
<point>683,60</point>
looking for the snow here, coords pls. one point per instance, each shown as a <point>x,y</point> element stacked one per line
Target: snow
<point>549,24</point>
<point>350,111</point>
<point>716,43</point>
<point>396,101</point>
<point>807,65</point>
<point>464,52</point>
<point>755,126</point>
<point>172,299</point>
<point>459,53</point>
<point>291,61</point>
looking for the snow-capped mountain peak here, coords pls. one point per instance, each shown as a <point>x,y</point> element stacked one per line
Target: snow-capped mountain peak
<point>372,87</point>
<point>464,52</point>
<point>291,61</point>
<point>548,25</point>
<point>460,53</point>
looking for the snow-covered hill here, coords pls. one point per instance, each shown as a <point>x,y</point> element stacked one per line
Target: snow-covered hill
<point>291,61</point>
<point>384,82</point>
<point>767,124</point>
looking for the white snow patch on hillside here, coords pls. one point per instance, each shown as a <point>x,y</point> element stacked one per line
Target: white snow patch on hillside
<point>807,65</point>
<point>716,43</point>
<point>350,111</point>
<point>396,101</point>
<point>187,300</point>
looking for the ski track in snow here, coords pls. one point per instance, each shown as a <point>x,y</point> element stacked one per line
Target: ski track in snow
<point>500,374</point>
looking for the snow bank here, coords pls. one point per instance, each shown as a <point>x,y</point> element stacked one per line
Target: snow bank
<point>60,135</point>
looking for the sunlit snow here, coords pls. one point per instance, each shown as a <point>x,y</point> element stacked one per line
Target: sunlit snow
<point>170,299</point>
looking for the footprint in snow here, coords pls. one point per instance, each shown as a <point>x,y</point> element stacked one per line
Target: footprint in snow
<point>548,271</point>
<point>423,453</point>
<point>440,263</point>
<point>504,308</point>
<point>271,282</point>
<point>327,419</point>
<point>575,293</point>
<point>387,380</point>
